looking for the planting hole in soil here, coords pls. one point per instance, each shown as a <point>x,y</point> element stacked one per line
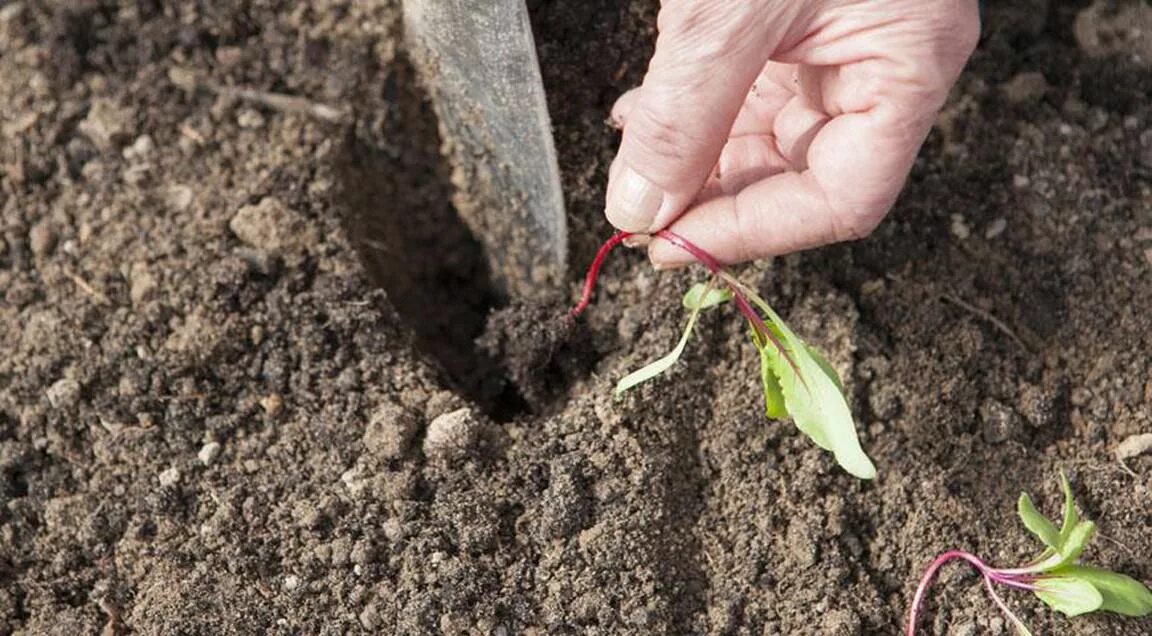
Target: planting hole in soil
<point>422,253</point>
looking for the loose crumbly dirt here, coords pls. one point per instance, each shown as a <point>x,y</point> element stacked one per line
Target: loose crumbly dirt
<point>227,329</point>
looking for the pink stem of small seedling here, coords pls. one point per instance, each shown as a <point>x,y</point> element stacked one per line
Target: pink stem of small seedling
<point>697,252</point>
<point>990,574</point>
<point>594,272</point>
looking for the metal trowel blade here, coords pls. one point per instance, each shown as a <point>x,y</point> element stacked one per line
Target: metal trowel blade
<point>477,60</point>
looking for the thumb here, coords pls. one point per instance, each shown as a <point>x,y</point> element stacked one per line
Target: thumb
<point>708,54</point>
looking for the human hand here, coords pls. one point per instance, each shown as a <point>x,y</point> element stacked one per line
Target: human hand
<point>765,127</point>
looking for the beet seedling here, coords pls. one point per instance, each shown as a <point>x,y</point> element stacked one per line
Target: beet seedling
<point>796,379</point>
<point>1055,577</point>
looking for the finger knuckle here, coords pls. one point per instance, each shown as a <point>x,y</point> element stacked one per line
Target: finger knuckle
<point>658,130</point>
<point>708,30</point>
<point>858,222</point>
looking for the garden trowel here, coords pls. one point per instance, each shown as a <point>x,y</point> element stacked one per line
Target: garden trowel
<point>477,60</point>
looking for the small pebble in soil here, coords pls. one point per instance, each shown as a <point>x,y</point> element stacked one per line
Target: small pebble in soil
<point>995,228</point>
<point>42,239</point>
<point>141,282</point>
<point>270,225</point>
<point>208,453</point>
<point>64,393</point>
<point>452,435</point>
<point>389,431</point>
<point>107,125</point>
<point>169,477</point>
<point>1026,87</point>
<point>272,404</point>
<point>960,227</point>
<point>1000,422</point>
<point>1134,446</point>
<point>291,582</point>
<point>967,628</point>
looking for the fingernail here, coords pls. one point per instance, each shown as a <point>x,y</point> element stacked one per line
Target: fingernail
<point>638,240</point>
<point>632,201</point>
<point>664,267</point>
<point>664,256</point>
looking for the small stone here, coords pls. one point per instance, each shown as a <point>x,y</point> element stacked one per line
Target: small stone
<point>140,149</point>
<point>270,225</point>
<point>967,628</point>
<point>450,436</point>
<point>141,282</point>
<point>272,404</point>
<point>370,617</point>
<point>107,125</point>
<point>42,239</point>
<point>996,228</point>
<point>1134,446</point>
<point>1038,406</point>
<point>169,477</point>
<point>250,119</point>
<point>64,393</point>
<point>389,431</point>
<point>1021,181</point>
<point>873,286</point>
<point>291,582</point>
<point>960,227</point>
<point>1000,421</point>
<point>208,453</point>
<point>138,174</point>
<point>1029,86</point>
<point>177,197</point>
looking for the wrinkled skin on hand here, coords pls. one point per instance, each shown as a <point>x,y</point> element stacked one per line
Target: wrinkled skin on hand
<point>765,127</point>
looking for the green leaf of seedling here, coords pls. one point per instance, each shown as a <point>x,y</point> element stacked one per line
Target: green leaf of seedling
<point>774,406</point>
<point>1071,596</point>
<point>825,366</point>
<point>1037,523</point>
<point>1121,594</point>
<point>811,391</point>
<point>1069,551</point>
<point>657,367</point>
<point>1071,519</point>
<point>1077,540</point>
<point>705,295</point>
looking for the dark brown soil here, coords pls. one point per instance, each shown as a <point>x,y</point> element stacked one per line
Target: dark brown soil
<point>240,391</point>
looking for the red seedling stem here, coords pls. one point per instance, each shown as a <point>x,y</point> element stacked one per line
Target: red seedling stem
<point>594,272</point>
<point>699,254</point>
<point>990,574</point>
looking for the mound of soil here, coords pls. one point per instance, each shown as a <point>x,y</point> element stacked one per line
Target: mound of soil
<point>241,390</point>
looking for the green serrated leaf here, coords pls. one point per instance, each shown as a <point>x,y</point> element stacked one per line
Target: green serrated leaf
<point>1071,519</point>
<point>657,367</point>
<point>1069,595</point>
<point>1077,540</point>
<point>1122,594</point>
<point>774,406</point>
<point>812,395</point>
<point>705,295</point>
<point>1037,523</point>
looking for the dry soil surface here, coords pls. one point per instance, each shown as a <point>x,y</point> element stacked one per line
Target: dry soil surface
<point>246,388</point>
